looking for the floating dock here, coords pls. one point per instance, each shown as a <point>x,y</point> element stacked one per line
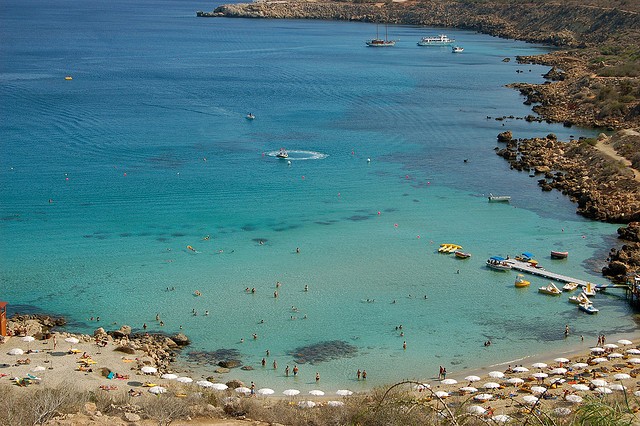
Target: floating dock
<point>530,269</point>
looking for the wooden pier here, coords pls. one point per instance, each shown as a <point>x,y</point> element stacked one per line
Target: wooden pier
<point>531,269</point>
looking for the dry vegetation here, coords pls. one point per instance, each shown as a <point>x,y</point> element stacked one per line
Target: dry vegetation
<point>397,405</point>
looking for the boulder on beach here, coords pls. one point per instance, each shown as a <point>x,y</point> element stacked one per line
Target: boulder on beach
<point>230,363</point>
<point>181,340</point>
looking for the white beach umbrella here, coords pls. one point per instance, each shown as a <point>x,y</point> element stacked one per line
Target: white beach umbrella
<point>557,380</point>
<point>448,382</point>
<point>15,351</point>
<point>539,365</point>
<point>28,339</point>
<point>169,376</point>
<point>148,369</point>
<point>617,387</point>
<point>558,370</point>
<point>243,389</point>
<point>603,390</point>
<point>634,360</point>
<point>291,392</point>
<point>501,418</point>
<point>469,389</point>
<point>184,379</point>
<point>530,399</point>
<point>561,411</point>
<point>625,342</point>
<point>599,382</point>
<point>483,397</point>
<point>316,392</point>
<point>491,385</point>
<point>157,390</point>
<point>540,375</point>
<point>441,394</point>
<point>335,403</point>
<point>538,389</point>
<point>615,355</point>
<point>306,404</point>
<point>637,393</point>
<point>72,340</point>
<point>219,386</point>
<point>599,360</point>
<point>266,391</point>
<point>421,387</point>
<point>579,365</point>
<point>38,368</point>
<point>496,374</point>
<point>633,351</point>
<point>520,369</point>
<point>472,378</point>
<point>476,409</point>
<point>580,387</point>
<point>204,383</point>
<point>562,360</point>
<point>597,350</point>
<point>576,399</point>
<point>344,392</point>
<point>515,381</point>
<point>621,376</point>
<point>610,346</point>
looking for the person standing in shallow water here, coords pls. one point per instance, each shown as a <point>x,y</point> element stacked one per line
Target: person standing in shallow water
<point>358,374</point>
<point>317,377</point>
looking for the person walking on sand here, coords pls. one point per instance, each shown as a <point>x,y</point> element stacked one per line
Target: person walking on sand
<point>55,341</point>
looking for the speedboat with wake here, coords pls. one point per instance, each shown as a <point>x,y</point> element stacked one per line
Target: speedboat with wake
<point>282,153</point>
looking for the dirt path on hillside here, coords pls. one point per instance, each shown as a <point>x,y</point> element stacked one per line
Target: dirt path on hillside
<point>608,150</point>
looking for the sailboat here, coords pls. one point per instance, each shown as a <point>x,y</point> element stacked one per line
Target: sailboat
<point>378,42</point>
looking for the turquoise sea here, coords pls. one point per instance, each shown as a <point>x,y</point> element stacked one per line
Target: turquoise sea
<point>105,180</point>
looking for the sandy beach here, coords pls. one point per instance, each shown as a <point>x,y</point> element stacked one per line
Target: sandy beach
<point>500,390</point>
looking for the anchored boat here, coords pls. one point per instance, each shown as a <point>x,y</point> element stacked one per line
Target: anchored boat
<point>550,289</point>
<point>521,282</point>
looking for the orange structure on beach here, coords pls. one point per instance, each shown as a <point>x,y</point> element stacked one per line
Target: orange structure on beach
<point>3,318</point>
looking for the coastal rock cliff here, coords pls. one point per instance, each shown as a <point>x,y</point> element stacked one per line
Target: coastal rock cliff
<point>559,24</point>
<point>603,187</point>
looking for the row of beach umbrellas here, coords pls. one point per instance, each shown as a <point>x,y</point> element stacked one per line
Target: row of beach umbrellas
<point>241,389</point>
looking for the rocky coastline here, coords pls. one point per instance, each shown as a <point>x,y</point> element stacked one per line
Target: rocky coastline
<point>159,350</point>
<point>602,187</point>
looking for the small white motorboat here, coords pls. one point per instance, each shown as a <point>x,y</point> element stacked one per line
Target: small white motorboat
<point>457,49</point>
<point>570,286</point>
<point>282,153</point>
<point>499,198</point>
